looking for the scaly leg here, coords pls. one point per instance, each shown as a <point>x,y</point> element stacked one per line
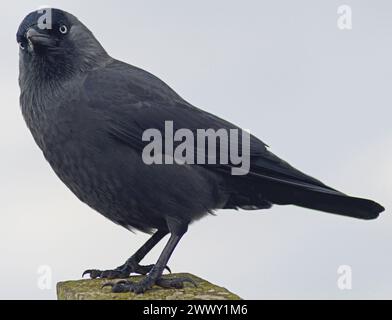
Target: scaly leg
<point>132,265</point>
<point>177,230</point>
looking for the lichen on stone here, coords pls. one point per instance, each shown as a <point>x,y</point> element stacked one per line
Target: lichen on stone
<point>92,290</point>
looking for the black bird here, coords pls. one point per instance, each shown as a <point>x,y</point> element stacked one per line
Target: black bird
<point>87,112</point>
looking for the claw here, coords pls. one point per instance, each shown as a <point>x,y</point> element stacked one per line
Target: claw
<point>93,273</point>
<point>86,272</point>
<point>120,272</point>
<point>177,283</point>
<point>125,286</point>
<point>108,284</point>
<point>121,282</point>
<point>189,280</point>
<point>114,283</point>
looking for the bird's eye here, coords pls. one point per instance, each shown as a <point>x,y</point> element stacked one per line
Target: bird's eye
<point>63,29</point>
<point>22,46</point>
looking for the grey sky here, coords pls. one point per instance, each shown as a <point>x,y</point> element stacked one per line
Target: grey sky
<point>320,97</point>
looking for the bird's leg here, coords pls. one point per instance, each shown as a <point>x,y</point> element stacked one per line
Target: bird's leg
<point>132,265</point>
<point>177,230</point>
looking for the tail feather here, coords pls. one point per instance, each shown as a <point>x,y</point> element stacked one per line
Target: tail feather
<point>318,197</point>
<point>339,204</point>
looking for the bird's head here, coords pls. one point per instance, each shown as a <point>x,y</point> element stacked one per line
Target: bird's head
<point>55,44</point>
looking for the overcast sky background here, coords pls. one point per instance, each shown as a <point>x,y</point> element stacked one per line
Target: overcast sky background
<point>319,96</point>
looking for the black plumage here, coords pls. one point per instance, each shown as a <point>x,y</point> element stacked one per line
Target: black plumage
<point>87,112</point>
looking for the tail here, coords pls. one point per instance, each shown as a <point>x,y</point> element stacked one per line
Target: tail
<point>339,203</point>
<point>318,197</point>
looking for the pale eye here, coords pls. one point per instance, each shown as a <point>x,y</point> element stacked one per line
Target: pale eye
<point>22,46</point>
<point>63,29</point>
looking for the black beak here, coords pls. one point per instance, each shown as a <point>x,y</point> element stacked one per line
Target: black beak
<point>39,38</point>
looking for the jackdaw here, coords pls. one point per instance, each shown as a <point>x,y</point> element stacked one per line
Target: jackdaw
<point>88,111</point>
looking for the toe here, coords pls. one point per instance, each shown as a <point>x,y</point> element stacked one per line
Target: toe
<point>175,283</point>
<point>128,286</point>
<point>92,273</point>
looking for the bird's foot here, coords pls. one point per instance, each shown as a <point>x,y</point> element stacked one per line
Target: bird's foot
<point>147,283</point>
<point>121,272</point>
<point>174,283</point>
<point>117,273</point>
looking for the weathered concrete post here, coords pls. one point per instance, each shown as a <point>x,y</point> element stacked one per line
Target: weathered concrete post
<point>92,290</point>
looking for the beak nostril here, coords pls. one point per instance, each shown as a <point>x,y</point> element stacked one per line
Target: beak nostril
<point>35,37</point>
<point>31,33</point>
